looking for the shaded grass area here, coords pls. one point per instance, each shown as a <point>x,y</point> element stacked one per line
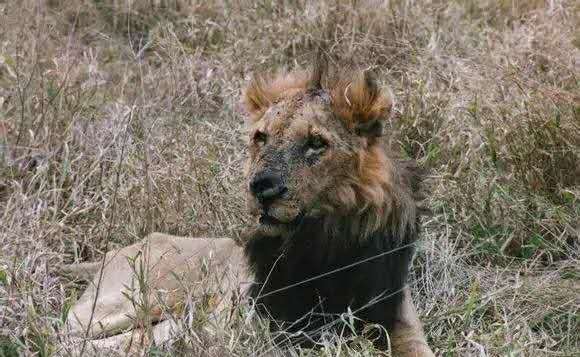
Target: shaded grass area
<point>119,118</point>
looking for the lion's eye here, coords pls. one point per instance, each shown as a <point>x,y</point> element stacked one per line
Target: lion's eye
<point>316,145</point>
<point>260,138</point>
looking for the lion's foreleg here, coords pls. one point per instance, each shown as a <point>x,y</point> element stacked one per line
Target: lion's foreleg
<point>134,341</point>
<point>407,337</point>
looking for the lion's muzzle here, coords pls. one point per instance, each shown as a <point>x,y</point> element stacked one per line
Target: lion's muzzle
<point>267,188</point>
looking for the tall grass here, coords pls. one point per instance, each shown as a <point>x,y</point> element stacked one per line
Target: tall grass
<point>119,118</point>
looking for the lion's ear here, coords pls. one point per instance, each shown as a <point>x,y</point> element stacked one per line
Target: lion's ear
<point>367,105</point>
<point>256,97</point>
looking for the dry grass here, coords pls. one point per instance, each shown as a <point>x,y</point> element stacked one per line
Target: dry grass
<point>119,118</point>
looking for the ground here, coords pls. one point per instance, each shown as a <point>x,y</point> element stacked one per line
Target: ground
<point>119,118</point>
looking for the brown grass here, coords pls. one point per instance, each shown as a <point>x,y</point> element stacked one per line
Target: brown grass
<point>119,118</point>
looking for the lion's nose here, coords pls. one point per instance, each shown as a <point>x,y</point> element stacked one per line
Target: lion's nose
<point>267,187</point>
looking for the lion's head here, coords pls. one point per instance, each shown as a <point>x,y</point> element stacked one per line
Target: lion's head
<point>315,149</point>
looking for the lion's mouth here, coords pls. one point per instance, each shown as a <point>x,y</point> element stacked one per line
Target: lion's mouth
<point>276,218</point>
<point>268,220</point>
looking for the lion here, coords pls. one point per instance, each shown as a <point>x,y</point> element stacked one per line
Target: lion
<point>336,216</point>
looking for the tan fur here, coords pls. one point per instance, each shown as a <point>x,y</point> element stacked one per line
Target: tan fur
<point>265,90</point>
<point>355,177</point>
<point>352,98</point>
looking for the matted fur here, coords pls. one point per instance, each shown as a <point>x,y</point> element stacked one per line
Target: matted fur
<point>355,201</point>
<point>356,97</point>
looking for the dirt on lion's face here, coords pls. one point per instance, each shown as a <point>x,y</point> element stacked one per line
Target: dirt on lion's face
<point>313,151</point>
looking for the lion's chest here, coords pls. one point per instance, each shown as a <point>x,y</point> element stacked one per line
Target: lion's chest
<point>308,290</point>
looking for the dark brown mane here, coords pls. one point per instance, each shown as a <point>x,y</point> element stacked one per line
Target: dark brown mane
<point>284,268</point>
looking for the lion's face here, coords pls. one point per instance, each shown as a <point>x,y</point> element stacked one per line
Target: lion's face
<point>313,151</point>
<point>298,154</point>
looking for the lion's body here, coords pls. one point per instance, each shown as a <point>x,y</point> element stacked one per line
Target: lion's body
<point>336,220</point>
<point>171,267</point>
